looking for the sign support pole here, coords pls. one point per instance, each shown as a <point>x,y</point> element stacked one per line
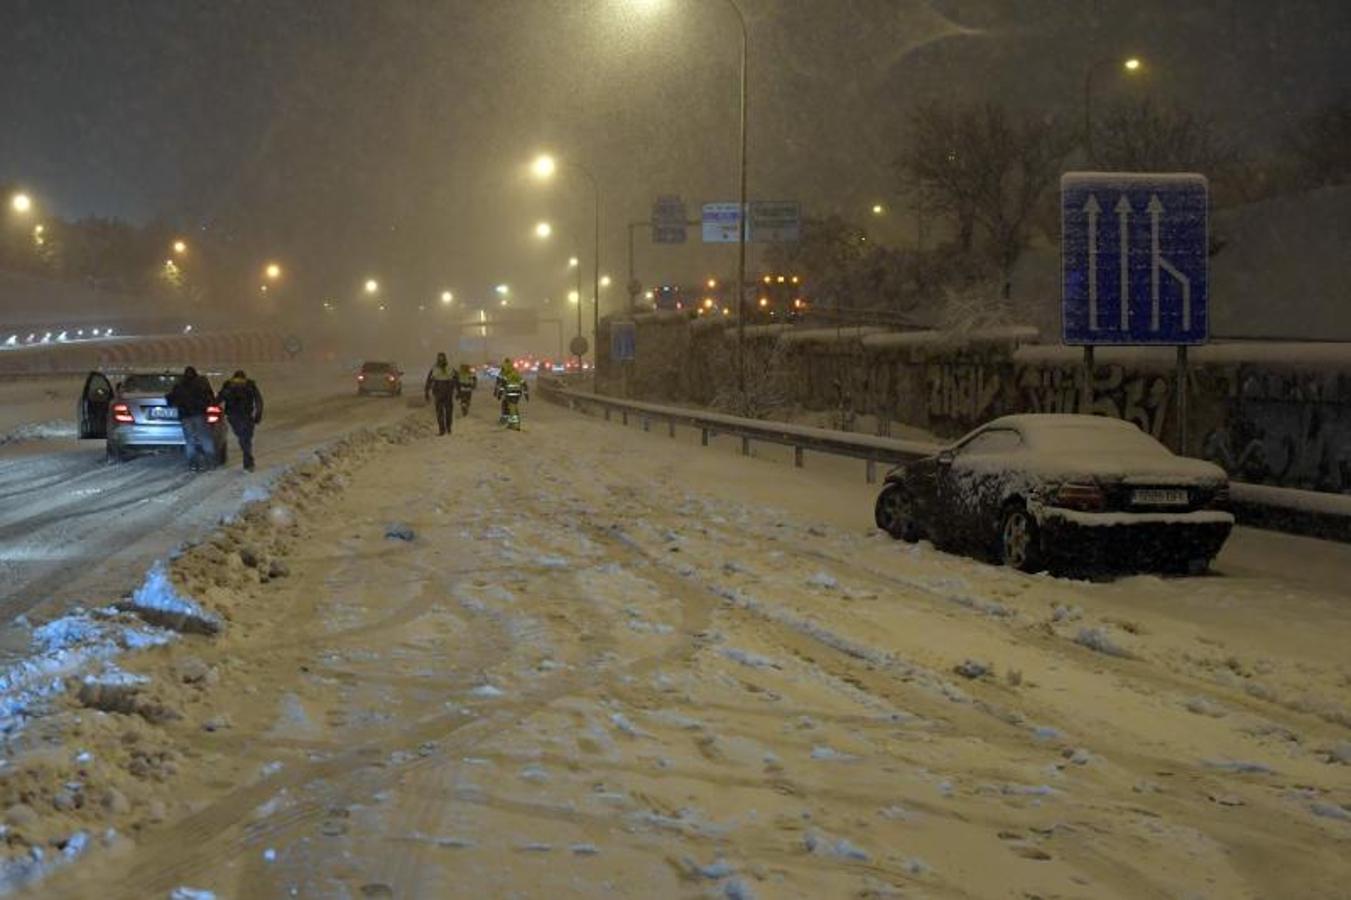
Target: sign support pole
<point>1086,385</point>
<point>1182,400</point>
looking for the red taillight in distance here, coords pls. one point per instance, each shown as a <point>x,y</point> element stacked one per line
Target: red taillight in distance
<point>361,378</point>
<point>1083,497</point>
<point>389,378</point>
<point>212,415</point>
<point>122,414</point>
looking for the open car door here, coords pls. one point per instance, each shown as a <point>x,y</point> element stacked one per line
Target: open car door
<point>94,401</point>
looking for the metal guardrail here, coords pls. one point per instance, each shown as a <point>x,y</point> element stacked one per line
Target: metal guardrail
<point>1321,515</point>
<point>872,450</point>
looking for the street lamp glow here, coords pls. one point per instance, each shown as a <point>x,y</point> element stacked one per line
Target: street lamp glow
<point>1132,64</point>
<point>180,247</point>
<point>574,298</point>
<point>544,166</point>
<point>273,271</point>
<point>447,296</point>
<point>21,203</point>
<point>543,230</point>
<point>502,291</point>
<point>878,209</point>
<point>605,281</point>
<point>573,262</point>
<point>504,301</point>
<point>372,286</point>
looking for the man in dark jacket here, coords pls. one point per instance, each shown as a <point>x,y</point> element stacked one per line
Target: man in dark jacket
<point>243,404</point>
<point>442,382</point>
<point>191,396</point>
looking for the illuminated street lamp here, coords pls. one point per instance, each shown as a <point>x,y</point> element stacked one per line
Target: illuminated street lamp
<point>544,167</point>
<point>574,297</point>
<point>502,290</point>
<point>543,230</point>
<point>878,209</point>
<point>180,247</point>
<point>573,262</point>
<point>605,281</point>
<point>1130,65</point>
<point>447,297</point>
<point>272,271</point>
<point>372,286</point>
<point>21,203</point>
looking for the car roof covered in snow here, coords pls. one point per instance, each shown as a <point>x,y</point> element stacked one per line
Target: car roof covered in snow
<point>1033,422</point>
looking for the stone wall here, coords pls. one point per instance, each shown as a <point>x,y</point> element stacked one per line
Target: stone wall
<point>1269,413</point>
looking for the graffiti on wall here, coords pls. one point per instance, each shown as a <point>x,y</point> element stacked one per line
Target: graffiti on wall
<point>1286,428</point>
<point>969,393</point>
<point>964,392</point>
<point>1139,398</point>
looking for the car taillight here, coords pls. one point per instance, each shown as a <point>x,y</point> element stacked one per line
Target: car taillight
<point>1220,499</point>
<point>122,413</point>
<point>212,415</point>
<point>1083,497</point>
<point>361,378</point>
<point>390,377</point>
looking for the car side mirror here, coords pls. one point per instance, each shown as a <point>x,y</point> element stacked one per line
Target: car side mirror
<point>946,457</point>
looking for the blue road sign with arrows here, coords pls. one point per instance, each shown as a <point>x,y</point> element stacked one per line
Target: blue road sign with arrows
<point>1134,258</point>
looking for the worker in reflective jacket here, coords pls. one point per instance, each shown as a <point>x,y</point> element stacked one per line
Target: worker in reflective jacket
<point>465,388</point>
<point>511,389</point>
<point>442,383</point>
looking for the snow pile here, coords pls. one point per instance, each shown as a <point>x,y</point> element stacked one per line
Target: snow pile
<point>65,648</point>
<point>157,601</point>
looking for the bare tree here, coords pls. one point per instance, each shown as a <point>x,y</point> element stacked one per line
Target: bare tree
<point>983,167</point>
<point>1143,136</point>
<point>1321,145</point>
<point>768,379</point>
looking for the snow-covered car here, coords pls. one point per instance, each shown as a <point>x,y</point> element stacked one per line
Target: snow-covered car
<point>379,378</point>
<point>133,416</point>
<point>1062,490</point>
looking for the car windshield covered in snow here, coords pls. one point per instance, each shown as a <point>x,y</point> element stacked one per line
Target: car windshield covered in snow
<point>149,383</point>
<point>377,368</point>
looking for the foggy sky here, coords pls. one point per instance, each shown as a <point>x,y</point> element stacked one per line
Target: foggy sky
<point>352,138</point>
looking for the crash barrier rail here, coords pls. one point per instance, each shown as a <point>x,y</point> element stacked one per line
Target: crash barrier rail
<point>1311,513</point>
<point>872,450</point>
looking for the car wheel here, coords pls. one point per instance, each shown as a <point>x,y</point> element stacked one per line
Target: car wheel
<point>894,514</point>
<point>1019,540</point>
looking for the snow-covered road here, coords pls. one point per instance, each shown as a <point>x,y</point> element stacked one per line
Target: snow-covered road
<point>582,661</point>
<point>75,528</point>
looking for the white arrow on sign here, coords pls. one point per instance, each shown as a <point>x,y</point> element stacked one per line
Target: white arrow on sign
<point>1092,209</point>
<point>1123,217</point>
<point>1158,262</point>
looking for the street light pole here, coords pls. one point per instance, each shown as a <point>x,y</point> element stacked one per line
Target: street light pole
<point>1131,64</point>
<point>742,214</point>
<point>579,312</point>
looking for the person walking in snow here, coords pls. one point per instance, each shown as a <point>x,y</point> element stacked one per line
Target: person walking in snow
<point>243,404</point>
<point>191,396</point>
<point>442,383</point>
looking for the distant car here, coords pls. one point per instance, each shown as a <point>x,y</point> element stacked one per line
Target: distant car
<point>1065,491</point>
<point>379,378</point>
<point>133,416</point>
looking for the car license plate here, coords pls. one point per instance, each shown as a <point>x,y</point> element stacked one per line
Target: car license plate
<point>162,412</point>
<point>1160,497</point>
